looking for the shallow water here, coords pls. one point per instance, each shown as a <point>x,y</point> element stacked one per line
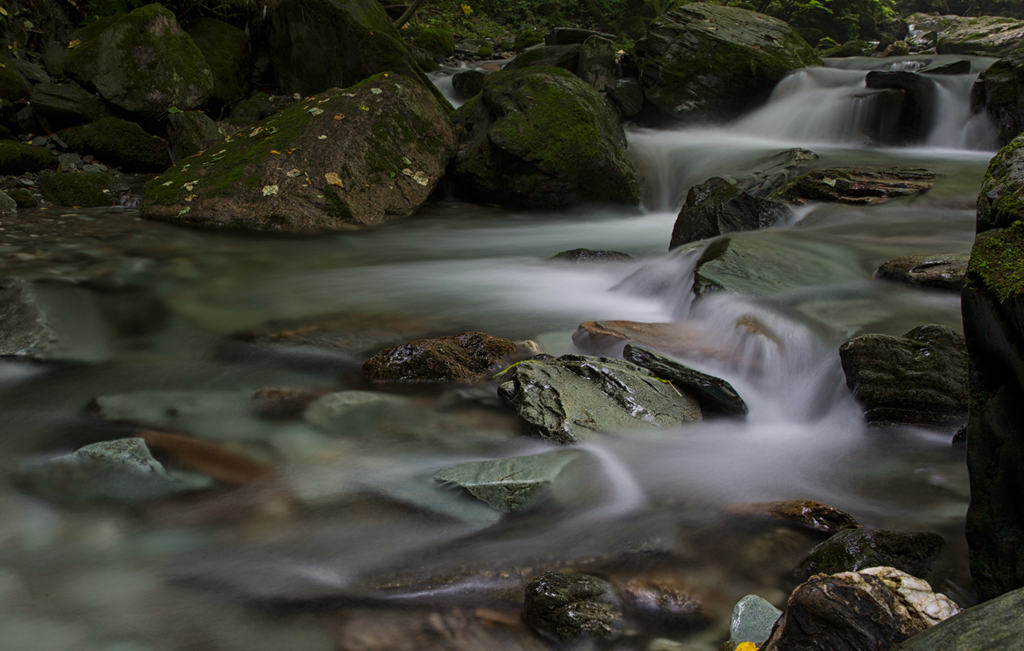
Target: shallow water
<point>352,526</point>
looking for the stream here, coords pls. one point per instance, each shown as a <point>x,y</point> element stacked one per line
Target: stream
<point>351,544</point>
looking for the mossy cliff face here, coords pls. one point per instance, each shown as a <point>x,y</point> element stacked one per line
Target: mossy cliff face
<point>1000,92</point>
<point>993,313</point>
<point>702,61</point>
<point>542,137</point>
<point>335,161</point>
<point>142,62</point>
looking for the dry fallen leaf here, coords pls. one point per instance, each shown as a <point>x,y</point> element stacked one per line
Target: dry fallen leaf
<point>332,178</point>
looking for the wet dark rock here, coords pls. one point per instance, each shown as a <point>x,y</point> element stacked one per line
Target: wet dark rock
<point>253,109</point>
<point>122,471</point>
<point>752,619</point>
<point>626,96</point>
<point>850,550</point>
<point>573,397</point>
<point>13,85</point>
<point>994,625</point>
<point>76,188</point>
<point>961,67</point>
<point>932,271</point>
<point>663,604</point>
<point>717,206</point>
<point>999,91</point>
<point>541,138</point>
<point>855,186</point>
<point>282,402</point>
<point>873,609</point>
<point>715,395</point>
<point>572,605</point>
<point>119,142</point>
<point>610,337</point>
<point>511,484</point>
<point>598,62</point>
<point>569,35</point>
<point>65,104</point>
<point>190,132</point>
<point>764,175</point>
<point>558,56</point>
<point>226,50</point>
<point>142,62</point>
<point>18,158</point>
<point>918,116</point>
<point>467,357</point>
<point>919,378</point>
<point>340,160</point>
<point>468,83</point>
<point>706,62</point>
<point>586,256</point>
<point>807,515</point>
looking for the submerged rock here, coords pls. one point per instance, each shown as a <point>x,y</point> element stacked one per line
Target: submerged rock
<point>715,395</point>
<point>803,514</point>
<point>752,620</point>
<point>706,62</point>
<point>999,91</point>
<point>919,378</point>
<point>876,608</point>
<point>571,605</point>
<point>512,484</point>
<point>932,271</point>
<point>717,206</point>
<point>663,603</point>
<point>586,256</point>
<point>51,322</point>
<point>539,138</point>
<point>850,550</point>
<point>855,186</point>
<point>467,357</point>
<point>336,161</point>
<point>994,625</point>
<point>570,398</point>
<point>352,412</point>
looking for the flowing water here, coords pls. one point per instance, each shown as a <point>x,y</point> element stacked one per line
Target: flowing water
<point>352,545</point>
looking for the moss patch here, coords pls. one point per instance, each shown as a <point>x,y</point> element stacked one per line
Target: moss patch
<point>119,142</point>
<point>18,158</point>
<point>997,262</point>
<point>76,188</point>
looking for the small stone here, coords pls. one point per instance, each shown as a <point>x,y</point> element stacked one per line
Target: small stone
<point>752,619</point>
<point>572,605</point>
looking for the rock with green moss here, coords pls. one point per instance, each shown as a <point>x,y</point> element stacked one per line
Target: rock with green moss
<point>528,38</point>
<point>977,35</point>
<point>65,105</point>
<point>438,41</point>
<point>142,62</point>
<point>1001,199</point>
<point>320,44</point>
<point>702,61</point>
<point>18,158</point>
<point>999,91</point>
<point>13,85</point>
<point>542,137</point>
<point>570,606</point>
<point>119,142</point>
<point>558,56</point>
<point>23,197</point>
<point>335,161</point>
<point>76,188</point>
<point>226,50</point>
<point>571,398</point>
<point>190,132</point>
<point>717,206</point>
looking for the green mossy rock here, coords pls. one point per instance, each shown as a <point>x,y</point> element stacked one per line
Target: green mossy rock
<point>438,41</point>
<point>336,161</point>
<point>226,50</point>
<point>13,85</point>
<point>509,485</point>
<point>994,625</point>
<point>190,132</point>
<point>572,605</point>
<point>466,357</point>
<point>977,35</point>
<point>1001,199</point>
<point>705,62</point>
<point>541,138</point>
<point>23,197</point>
<point>18,158</point>
<point>999,91</point>
<point>119,142</point>
<point>82,189</point>
<point>914,552</point>
<point>142,62</point>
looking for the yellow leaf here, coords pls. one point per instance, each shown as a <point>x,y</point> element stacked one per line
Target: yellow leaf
<point>3,11</point>
<point>275,152</point>
<point>332,178</point>
<point>364,107</point>
<point>73,44</point>
<point>746,646</point>
<point>339,116</point>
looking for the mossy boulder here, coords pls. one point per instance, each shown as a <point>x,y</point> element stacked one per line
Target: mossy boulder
<point>13,85</point>
<point>226,50</point>
<point>978,35</point>
<point>191,132</point>
<point>23,197</point>
<point>999,91</point>
<point>438,41</point>
<point>558,56</point>
<point>76,188</point>
<point>66,104</point>
<point>706,62</point>
<point>542,137</point>
<point>142,62</point>
<point>335,161</point>
<point>1001,199</point>
<point>119,142</point>
<point>18,158</point>
<point>717,206</point>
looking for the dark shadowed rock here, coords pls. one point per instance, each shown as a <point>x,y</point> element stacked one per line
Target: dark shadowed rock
<point>226,50</point>
<point>468,83</point>
<point>18,158</point>
<point>854,186</point>
<point>571,605</point>
<point>919,111</point>
<point>65,105</point>
<point>119,142</point>
<point>715,395</point>
<point>468,357</point>
<point>283,402</point>
<point>999,91</point>
<point>919,378</point>
<point>569,35</point>
<point>852,611</point>
<point>717,206</point>
<point>663,603</point>
<point>598,63</point>
<point>914,552</point>
<point>586,256</point>
<point>76,188</point>
<point>802,514</point>
<point>626,96</point>
<point>557,56</point>
<point>190,132</point>
<point>573,397</point>
<point>961,67</point>
<point>932,271</point>
<point>994,625</point>
<point>1001,199</point>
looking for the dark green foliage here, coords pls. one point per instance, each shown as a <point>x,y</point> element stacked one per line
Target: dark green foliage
<point>76,188</point>
<point>841,20</point>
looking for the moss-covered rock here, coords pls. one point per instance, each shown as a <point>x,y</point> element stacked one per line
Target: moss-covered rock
<point>23,197</point>
<point>13,85</point>
<point>226,50</point>
<point>977,35</point>
<point>702,61</point>
<point>999,91</point>
<point>1001,199</point>
<point>191,132</point>
<point>119,142</point>
<point>142,62</point>
<point>467,357</point>
<point>438,41</point>
<point>572,605</point>
<point>541,137</point>
<point>76,188</point>
<point>18,158</point>
<point>339,160</point>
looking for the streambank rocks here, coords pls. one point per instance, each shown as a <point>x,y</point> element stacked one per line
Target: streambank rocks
<point>571,398</point>
<point>990,626</point>
<point>718,206</point>
<point>141,62</point>
<point>703,61</point>
<point>919,378</point>
<point>999,91</point>
<point>541,137</point>
<point>852,550</point>
<point>335,161</point>
<point>572,605</point>
<point>715,395</point>
<point>977,35</point>
<point>856,186</point>
<point>876,608</point>
<point>467,357</point>
<point>932,271</point>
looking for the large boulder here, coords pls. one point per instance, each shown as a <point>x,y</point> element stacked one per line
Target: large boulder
<point>570,398</point>
<point>717,206</point>
<point>142,62</point>
<point>512,484</point>
<point>999,91</point>
<point>65,105</point>
<point>557,56</point>
<point>919,108</point>
<point>542,137</point>
<point>876,608</point>
<point>339,160</point>
<point>19,157</point>
<point>993,313</point>
<point>226,50</point>
<point>919,378</point>
<point>977,35</point>
<point>119,142</point>
<point>991,626</point>
<point>706,62</point>
<point>320,44</point>
<point>851,550</point>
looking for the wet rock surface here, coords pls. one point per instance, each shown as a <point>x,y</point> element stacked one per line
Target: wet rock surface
<point>931,271</point>
<point>853,186</point>
<point>752,620</point>
<point>571,605</point>
<point>717,206</point>
<point>990,626</point>
<point>852,550</point>
<point>468,357</point>
<point>999,91</point>
<point>715,395</point>
<point>808,515</point>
